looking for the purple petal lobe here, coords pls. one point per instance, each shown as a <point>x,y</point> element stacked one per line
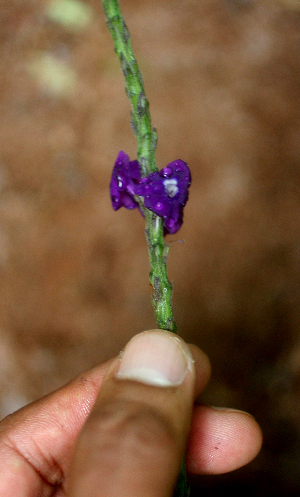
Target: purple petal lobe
<point>126,174</point>
<point>166,193</point>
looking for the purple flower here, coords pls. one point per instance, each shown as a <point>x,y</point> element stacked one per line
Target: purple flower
<point>125,176</point>
<point>166,192</point>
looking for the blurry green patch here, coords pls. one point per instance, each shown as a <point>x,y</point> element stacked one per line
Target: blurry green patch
<point>54,76</point>
<point>73,15</point>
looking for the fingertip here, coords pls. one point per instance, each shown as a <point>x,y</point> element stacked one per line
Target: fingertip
<point>157,358</point>
<point>202,368</point>
<point>140,420</point>
<point>221,440</point>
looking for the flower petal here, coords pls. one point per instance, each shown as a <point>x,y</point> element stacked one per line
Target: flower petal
<point>166,193</point>
<point>125,176</point>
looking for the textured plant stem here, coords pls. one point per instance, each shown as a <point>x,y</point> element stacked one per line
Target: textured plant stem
<point>146,140</point>
<point>146,137</point>
<point>140,115</point>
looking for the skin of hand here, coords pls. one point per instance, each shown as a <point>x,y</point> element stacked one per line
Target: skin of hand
<point>122,428</point>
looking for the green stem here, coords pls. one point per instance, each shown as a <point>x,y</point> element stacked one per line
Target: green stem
<point>146,137</point>
<point>140,115</point>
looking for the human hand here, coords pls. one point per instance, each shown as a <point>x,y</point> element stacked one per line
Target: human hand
<point>128,437</point>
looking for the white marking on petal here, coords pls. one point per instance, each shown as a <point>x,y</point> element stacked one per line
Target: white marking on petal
<point>171,187</point>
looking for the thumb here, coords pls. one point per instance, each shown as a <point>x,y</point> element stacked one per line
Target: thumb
<point>134,439</point>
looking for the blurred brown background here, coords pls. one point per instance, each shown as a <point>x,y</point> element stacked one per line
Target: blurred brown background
<point>223,80</point>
